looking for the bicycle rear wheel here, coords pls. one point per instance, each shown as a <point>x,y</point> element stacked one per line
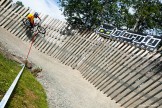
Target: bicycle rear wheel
<point>26,22</point>
<point>41,30</point>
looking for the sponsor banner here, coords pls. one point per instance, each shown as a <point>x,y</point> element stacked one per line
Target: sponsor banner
<point>142,41</point>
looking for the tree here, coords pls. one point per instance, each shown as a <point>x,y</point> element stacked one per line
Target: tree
<point>91,13</point>
<point>19,3</point>
<point>82,13</point>
<point>147,14</point>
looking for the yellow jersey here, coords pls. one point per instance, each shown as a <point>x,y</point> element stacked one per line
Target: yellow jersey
<point>31,18</point>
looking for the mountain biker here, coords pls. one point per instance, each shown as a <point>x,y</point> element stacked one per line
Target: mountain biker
<point>31,17</point>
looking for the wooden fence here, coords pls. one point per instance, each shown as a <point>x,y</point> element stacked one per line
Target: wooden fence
<point>129,75</point>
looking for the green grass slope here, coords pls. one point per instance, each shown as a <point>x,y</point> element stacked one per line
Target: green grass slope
<point>28,92</point>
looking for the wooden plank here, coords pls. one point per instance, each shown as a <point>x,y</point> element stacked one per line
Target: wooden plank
<point>142,88</point>
<point>85,50</point>
<point>90,61</point>
<point>8,13</point>
<point>95,57</point>
<point>125,75</point>
<point>116,71</point>
<point>158,100</point>
<point>102,72</point>
<point>14,29</point>
<point>114,77</point>
<point>51,45</point>
<point>105,67</point>
<point>2,1</point>
<point>54,45</point>
<point>70,46</point>
<point>6,7</point>
<point>152,93</point>
<point>49,33</point>
<point>45,38</point>
<point>5,10</point>
<point>15,16</point>
<point>113,46</point>
<point>145,75</point>
<point>133,82</point>
<point>96,46</point>
<point>61,49</point>
<point>154,97</point>
<point>108,61</point>
<point>17,28</point>
<point>160,105</point>
<point>56,37</point>
<point>50,26</point>
<point>108,58</point>
<point>9,23</point>
<point>81,49</point>
<point>3,7</point>
<point>48,44</point>
<point>111,71</point>
<point>136,92</point>
<point>101,79</point>
<point>99,44</point>
<point>74,45</point>
<point>53,49</point>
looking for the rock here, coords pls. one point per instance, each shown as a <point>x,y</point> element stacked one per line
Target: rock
<point>35,70</point>
<point>28,64</point>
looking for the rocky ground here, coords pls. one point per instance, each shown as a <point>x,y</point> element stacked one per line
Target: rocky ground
<point>64,86</point>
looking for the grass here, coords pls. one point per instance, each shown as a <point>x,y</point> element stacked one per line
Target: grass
<point>28,92</point>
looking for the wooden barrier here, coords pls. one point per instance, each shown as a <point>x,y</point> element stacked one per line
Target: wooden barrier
<point>131,76</point>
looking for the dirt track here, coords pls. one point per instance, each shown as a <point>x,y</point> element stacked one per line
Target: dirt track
<point>65,87</point>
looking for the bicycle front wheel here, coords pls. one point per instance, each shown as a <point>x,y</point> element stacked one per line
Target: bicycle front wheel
<point>41,30</point>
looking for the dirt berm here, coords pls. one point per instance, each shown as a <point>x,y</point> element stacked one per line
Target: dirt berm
<point>64,86</point>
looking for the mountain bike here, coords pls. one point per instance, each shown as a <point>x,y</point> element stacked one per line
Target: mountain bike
<point>37,27</point>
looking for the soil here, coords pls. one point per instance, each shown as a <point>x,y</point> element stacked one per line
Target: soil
<point>65,87</point>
